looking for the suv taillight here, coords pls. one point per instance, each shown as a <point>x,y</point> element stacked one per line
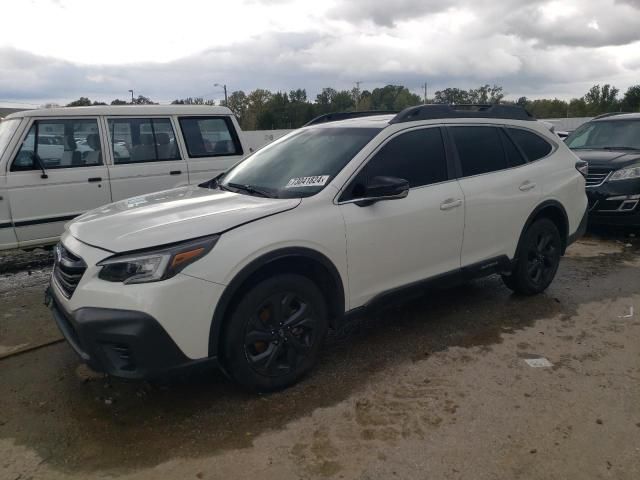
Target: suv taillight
<point>582,167</point>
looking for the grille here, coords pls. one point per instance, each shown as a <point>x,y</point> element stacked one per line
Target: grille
<point>596,177</point>
<point>67,270</point>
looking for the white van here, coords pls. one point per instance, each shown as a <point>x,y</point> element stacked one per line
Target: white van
<point>58,163</point>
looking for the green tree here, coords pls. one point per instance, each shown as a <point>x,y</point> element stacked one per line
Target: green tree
<point>142,100</point>
<point>193,101</point>
<point>601,99</point>
<point>117,101</point>
<point>631,99</point>
<point>454,96</point>
<point>81,102</point>
<point>239,104</point>
<point>393,97</point>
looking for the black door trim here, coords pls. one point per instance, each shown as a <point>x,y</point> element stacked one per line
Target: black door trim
<point>39,221</point>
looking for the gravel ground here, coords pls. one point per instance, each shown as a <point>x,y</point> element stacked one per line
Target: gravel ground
<point>435,388</point>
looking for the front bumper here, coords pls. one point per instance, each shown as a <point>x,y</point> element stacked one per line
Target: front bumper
<point>122,343</point>
<point>615,203</point>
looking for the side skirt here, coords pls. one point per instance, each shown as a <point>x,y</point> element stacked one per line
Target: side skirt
<point>501,264</point>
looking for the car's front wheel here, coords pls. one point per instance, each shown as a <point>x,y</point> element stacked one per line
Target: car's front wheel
<point>274,334</point>
<point>538,259</point>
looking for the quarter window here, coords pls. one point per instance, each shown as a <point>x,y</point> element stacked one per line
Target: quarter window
<point>417,156</point>
<point>60,144</point>
<point>533,146</point>
<point>479,149</point>
<point>209,136</point>
<point>135,140</point>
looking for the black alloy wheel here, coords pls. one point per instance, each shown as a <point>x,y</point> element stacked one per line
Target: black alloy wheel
<point>274,335</point>
<point>538,258</point>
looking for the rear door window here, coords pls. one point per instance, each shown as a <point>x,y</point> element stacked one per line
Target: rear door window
<point>479,149</point>
<point>514,157</point>
<point>136,140</point>
<point>532,144</point>
<point>210,136</point>
<point>60,144</point>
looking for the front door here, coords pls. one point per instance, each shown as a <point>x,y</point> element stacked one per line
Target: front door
<point>57,174</point>
<point>395,243</point>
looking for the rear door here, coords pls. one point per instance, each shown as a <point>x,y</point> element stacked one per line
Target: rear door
<point>212,145</point>
<point>500,188</point>
<point>74,180</point>
<point>145,156</point>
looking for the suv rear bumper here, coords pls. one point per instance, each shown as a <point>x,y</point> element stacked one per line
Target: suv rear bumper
<point>122,343</point>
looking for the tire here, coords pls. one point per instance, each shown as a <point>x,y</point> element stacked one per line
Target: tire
<point>273,336</point>
<point>538,258</point>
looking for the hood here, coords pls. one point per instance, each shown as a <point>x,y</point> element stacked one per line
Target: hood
<point>613,159</point>
<point>171,216</point>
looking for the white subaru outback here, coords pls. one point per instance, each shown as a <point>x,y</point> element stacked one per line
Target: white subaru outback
<point>251,269</point>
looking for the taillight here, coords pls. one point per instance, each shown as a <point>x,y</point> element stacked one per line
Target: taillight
<point>582,167</point>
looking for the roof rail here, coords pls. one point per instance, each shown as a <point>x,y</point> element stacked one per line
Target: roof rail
<point>435,111</point>
<point>336,116</point>
<point>610,114</point>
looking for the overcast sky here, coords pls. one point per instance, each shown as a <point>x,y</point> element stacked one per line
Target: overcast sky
<point>58,50</point>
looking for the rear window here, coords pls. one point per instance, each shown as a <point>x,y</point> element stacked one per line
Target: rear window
<point>532,144</point>
<point>135,140</point>
<point>209,136</point>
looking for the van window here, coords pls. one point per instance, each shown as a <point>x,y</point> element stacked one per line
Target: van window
<point>533,145</point>
<point>479,149</point>
<point>7,129</point>
<point>135,140</point>
<point>209,136</point>
<point>60,144</point>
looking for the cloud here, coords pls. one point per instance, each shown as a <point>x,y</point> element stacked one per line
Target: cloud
<point>385,13</point>
<point>533,48</point>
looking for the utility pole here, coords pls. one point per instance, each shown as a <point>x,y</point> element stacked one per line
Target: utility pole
<point>131,96</point>
<point>357,90</point>
<point>226,100</point>
<point>425,92</point>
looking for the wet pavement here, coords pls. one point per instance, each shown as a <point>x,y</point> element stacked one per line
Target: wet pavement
<point>433,388</point>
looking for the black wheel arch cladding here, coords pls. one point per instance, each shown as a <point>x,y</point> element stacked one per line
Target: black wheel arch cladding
<point>301,260</point>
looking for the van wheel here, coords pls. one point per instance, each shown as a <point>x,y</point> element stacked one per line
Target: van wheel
<point>538,259</point>
<point>275,333</point>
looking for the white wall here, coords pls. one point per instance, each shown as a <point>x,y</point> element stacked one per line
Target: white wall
<point>567,124</point>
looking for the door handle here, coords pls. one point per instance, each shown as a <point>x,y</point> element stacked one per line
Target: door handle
<point>450,203</point>
<point>94,179</point>
<point>175,172</point>
<point>526,186</point>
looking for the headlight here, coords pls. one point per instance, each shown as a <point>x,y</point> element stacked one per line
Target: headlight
<point>154,265</point>
<point>626,173</point>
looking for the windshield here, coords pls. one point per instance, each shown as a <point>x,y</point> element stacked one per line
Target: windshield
<point>300,164</point>
<point>606,134</point>
<point>7,127</point>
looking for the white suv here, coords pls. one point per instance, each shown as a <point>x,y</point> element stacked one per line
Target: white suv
<point>249,270</point>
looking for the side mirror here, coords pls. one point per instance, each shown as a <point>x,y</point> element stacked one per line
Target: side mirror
<point>383,188</point>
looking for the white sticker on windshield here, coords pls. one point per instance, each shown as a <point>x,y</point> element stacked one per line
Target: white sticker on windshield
<point>315,181</point>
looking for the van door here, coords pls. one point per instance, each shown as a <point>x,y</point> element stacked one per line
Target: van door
<point>57,174</point>
<point>7,234</point>
<point>146,157</point>
<point>212,145</point>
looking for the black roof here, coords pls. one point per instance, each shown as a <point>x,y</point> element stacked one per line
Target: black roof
<point>435,111</point>
<point>334,117</point>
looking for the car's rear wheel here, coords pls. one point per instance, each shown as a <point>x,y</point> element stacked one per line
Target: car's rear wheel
<point>538,259</point>
<point>275,333</point>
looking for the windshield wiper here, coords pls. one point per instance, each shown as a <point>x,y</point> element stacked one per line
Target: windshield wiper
<point>250,189</point>
<point>621,148</point>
